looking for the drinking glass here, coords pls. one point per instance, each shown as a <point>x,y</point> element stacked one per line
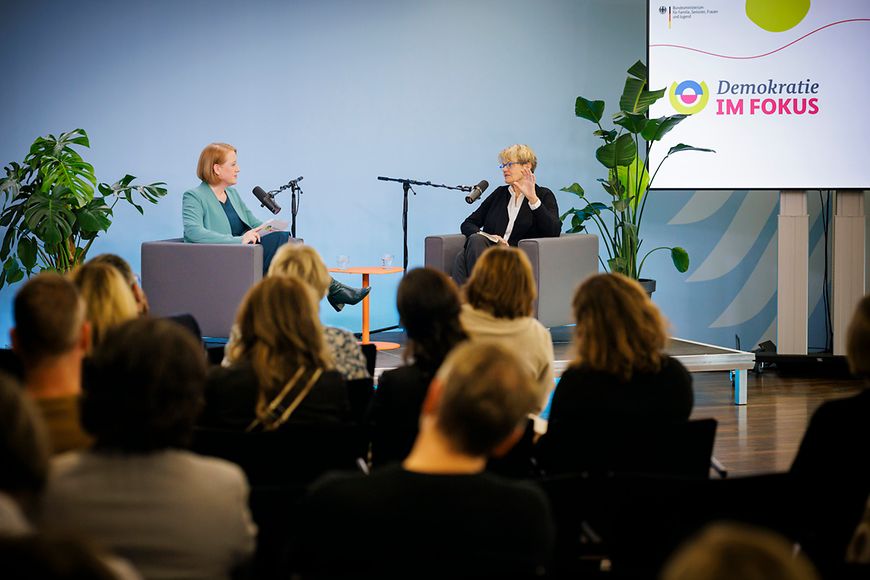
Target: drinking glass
<point>343,261</point>
<point>387,260</point>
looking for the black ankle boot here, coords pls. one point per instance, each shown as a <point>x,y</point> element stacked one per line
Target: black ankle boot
<point>339,294</point>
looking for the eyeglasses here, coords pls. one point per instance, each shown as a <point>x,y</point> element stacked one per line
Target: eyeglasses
<point>509,164</point>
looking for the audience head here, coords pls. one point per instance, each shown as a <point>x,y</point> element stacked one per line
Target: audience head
<point>107,296</point>
<point>49,319</point>
<point>519,154</point>
<point>24,449</point>
<point>144,387</point>
<point>619,330</point>
<point>858,340</point>
<point>304,263</point>
<point>122,266</point>
<point>727,551</point>
<point>279,332</point>
<point>480,398</point>
<point>429,305</point>
<point>213,154</point>
<point>502,283</point>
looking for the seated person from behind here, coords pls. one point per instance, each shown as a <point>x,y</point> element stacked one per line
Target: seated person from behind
<point>620,373</point>
<point>513,212</point>
<point>280,368</point>
<point>108,299</point>
<point>51,337</point>
<point>169,512</point>
<point>214,213</point>
<point>438,514</point>
<point>429,306</point>
<point>499,304</point>
<point>305,263</point>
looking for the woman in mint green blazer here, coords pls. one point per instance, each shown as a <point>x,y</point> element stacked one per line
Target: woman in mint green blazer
<point>213,213</point>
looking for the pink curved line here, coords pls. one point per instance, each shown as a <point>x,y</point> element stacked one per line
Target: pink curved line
<point>766,53</point>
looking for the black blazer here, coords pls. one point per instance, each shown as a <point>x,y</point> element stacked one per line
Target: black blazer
<point>492,216</point>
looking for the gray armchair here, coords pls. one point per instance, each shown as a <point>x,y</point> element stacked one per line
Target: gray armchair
<point>205,280</point>
<point>558,264</point>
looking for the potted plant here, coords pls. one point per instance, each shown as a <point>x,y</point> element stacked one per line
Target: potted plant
<point>628,179</point>
<point>54,209</point>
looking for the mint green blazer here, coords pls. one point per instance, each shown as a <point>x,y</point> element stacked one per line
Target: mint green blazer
<point>205,221</point>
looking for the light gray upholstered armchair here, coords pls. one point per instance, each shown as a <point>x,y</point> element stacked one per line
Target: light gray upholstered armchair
<point>205,280</point>
<point>558,264</point>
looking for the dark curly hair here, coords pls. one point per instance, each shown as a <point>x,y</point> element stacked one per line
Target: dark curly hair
<point>429,306</point>
<point>144,387</point>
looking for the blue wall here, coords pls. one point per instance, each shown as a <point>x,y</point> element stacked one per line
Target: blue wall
<point>341,92</point>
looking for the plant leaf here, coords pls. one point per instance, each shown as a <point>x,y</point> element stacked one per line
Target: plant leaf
<point>680,258</point>
<point>574,188</point>
<point>628,179</point>
<point>608,136</point>
<point>27,253</point>
<point>590,110</point>
<point>658,128</point>
<point>684,147</point>
<point>639,70</point>
<point>636,98</point>
<point>633,122</point>
<point>621,152</point>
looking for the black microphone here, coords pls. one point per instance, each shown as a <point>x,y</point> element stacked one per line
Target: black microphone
<point>476,191</point>
<point>266,200</point>
<point>294,182</point>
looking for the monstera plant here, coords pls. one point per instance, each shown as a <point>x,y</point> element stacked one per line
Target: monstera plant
<point>625,156</point>
<point>54,209</point>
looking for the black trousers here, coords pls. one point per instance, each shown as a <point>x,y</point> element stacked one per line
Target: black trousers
<point>475,245</point>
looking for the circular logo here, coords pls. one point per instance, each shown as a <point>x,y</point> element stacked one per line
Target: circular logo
<point>689,97</point>
<point>663,10</point>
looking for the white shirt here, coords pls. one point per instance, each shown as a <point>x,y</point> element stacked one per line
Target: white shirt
<point>514,205</point>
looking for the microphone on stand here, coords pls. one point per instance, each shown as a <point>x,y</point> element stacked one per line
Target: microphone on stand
<point>476,191</point>
<point>266,200</point>
<point>294,182</point>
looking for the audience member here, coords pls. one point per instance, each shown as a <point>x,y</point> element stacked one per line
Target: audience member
<point>830,465</point>
<point>439,514</point>
<point>500,296</point>
<point>859,547</point>
<point>24,456</point>
<point>58,558</point>
<point>620,373</point>
<point>305,263</point>
<point>280,368</point>
<point>51,338</point>
<point>171,513</point>
<point>108,299</point>
<point>131,278</point>
<point>429,305</point>
<point>727,551</point>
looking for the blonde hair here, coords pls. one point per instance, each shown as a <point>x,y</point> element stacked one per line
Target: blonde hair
<point>619,330</point>
<point>486,394</point>
<point>726,550</point>
<point>502,283</point>
<point>303,262</point>
<point>519,153</point>
<point>213,153</point>
<point>109,301</point>
<point>279,333</point>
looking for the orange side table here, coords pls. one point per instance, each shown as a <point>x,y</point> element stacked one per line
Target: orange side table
<point>366,271</point>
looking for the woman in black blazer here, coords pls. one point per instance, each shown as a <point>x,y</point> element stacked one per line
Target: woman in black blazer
<point>428,304</point>
<point>518,210</point>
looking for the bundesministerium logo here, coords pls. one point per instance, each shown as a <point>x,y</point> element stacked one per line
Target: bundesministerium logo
<point>689,97</point>
<point>663,10</point>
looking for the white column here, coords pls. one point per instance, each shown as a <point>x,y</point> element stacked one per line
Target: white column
<point>792,275</point>
<point>848,268</point>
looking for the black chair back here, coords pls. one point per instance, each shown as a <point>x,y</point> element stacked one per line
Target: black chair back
<point>370,351</point>
<point>359,392</point>
<point>677,449</point>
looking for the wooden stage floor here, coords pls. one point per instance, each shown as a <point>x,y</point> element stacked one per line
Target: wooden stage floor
<point>761,437</point>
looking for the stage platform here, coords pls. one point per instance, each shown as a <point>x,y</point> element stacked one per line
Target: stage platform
<point>695,356</point>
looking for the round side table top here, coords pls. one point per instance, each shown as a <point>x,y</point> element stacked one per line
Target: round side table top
<point>368,270</point>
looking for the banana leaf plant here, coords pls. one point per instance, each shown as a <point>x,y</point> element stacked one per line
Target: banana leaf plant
<point>53,208</point>
<point>628,178</point>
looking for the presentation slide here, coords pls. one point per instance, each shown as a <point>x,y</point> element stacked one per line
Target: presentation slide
<point>776,87</point>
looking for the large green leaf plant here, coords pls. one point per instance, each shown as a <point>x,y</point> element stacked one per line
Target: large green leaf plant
<point>628,179</point>
<point>53,208</point>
